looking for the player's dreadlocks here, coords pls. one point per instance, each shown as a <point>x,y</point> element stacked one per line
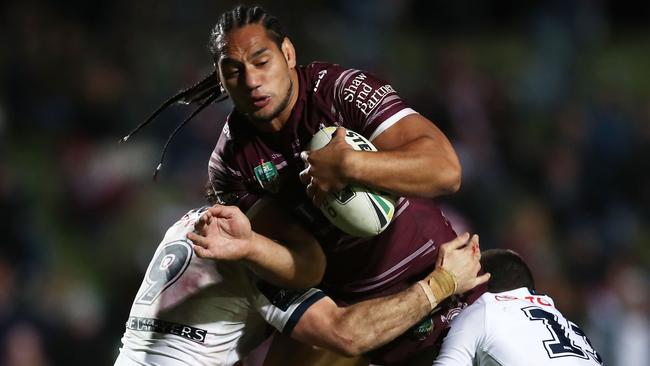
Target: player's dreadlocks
<point>209,89</point>
<point>240,16</point>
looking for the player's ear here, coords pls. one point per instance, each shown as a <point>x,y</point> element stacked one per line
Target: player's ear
<point>289,52</point>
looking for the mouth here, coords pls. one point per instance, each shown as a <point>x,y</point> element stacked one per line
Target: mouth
<point>261,102</point>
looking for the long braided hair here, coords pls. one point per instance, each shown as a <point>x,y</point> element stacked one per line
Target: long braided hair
<point>209,89</point>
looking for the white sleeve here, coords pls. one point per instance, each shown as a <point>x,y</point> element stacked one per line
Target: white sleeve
<point>283,308</point>
<point>464,337</point>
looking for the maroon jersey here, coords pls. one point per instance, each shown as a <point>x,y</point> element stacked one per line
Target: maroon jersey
<point>246,166</point>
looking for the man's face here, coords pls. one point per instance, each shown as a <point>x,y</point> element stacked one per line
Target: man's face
<point>257,74</point>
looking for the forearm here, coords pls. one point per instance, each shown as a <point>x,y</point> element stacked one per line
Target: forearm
<point>373,323</point>
<point>296,266</point>
<point>294,258</point>
<point>418,168</point>
<point>225,233</point>
<point>369,324</point>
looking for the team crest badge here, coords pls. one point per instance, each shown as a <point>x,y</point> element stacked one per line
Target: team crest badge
<point>453,312</point>
<point>267,176</point>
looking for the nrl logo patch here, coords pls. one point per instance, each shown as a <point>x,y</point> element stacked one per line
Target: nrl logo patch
<point>267,176</point>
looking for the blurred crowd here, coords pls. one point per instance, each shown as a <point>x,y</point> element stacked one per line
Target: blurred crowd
<point>547,105</point>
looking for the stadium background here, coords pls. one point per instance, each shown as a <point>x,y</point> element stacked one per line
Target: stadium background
<point>547,105</point>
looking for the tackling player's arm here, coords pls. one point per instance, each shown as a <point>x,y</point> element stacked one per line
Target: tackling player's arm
<point>295,260</point>
<point>358,328</point>
<point>414,159</point>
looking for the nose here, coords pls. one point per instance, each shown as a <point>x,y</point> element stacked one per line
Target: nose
<point>253,78</point>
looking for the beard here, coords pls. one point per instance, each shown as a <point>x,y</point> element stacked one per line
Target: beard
<point>276,111</point>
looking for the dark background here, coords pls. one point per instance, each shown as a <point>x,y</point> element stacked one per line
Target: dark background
<point>546,103</point>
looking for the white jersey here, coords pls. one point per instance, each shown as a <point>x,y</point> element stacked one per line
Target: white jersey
<point>515,327</point>
<point>194,311</point>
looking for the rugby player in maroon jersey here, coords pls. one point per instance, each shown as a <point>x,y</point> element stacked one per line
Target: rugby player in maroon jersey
<point>260,154</point>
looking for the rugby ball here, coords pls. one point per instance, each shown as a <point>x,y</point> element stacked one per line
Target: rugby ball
<point>357,210</point>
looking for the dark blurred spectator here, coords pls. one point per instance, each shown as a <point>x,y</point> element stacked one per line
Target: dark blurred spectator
<point>23,346</point>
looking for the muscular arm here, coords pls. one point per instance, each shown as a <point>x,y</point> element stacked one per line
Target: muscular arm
<point>414,159</point>
<point>295,260</point>
<point>361,327</point>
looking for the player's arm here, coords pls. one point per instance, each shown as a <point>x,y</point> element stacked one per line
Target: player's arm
<point>295,260</point>
<point>465,336</point>
<point>358,328</point>
<point>414,159</point>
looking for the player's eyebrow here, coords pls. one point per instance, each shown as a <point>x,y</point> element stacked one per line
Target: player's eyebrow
<point>229,61</point>
<point>259,52</point>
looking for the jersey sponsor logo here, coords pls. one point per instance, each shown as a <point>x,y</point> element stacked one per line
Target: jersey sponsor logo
<point>537,300</point>
<point>267,176</point>
<point>505,298</point>
<point>531,299</point>
<point>364,96</point>
<point>351,90</point>
<point>160,326</point>
<point>367,105</point>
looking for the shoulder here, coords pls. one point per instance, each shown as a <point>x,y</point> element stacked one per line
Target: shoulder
<point>225,162</point>
<point>323,73</point>
<point>320,75</point>
<point>234,130</point>
<point>317,68</point>
<point>233,140</point>
<point>223,150</point>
